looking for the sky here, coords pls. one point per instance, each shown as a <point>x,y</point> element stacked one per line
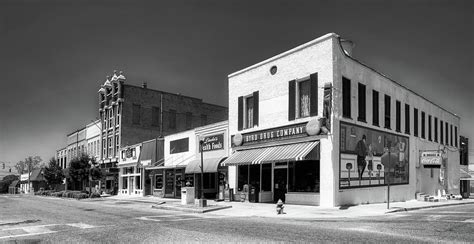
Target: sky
<point>54,55</point>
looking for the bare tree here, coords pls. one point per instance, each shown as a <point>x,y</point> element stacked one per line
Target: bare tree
<point>32,161</point>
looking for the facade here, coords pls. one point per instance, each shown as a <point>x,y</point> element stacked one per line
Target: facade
<point>93,139</point>
<point>182,162</point>
<point>315,126</point>
<point>76,144</point>
<point>130,114</point>
<point>61,157</point>
<point>130,172</point>
<point>467,170</point>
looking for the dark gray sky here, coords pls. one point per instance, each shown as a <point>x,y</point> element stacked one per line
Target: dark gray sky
<point>55,54</point>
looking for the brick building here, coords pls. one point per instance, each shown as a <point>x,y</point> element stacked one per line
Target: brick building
<point>314,125</point>
<point>132,114</point>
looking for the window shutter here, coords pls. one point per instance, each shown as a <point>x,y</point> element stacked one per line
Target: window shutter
<point>241,113</point>
<point>313,109</point>
<point>255,108</point>
<point>291,100</point>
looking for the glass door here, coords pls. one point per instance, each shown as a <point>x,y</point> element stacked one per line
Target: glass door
<point>178,182</point>
<point>130,186</point>
<point>280,183</point>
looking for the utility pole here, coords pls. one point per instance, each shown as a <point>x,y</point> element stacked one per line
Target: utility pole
<point>388,178</point>
<point>201,143</point>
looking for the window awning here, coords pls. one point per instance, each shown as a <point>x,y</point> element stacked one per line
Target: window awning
<point>210,165</point>
<point>282,153</point>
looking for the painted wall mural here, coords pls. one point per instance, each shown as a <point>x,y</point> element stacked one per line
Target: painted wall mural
<point>371,157</point>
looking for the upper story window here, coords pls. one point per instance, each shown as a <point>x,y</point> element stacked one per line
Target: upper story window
<point>189,120</point>
<point>375,107</point>
<point>398,115</point>
<point>346,97</point>
<point>172,119</point>
<point>455,136</point>
<point>415,122</point>
<point>407,119</point>
<point>180,145</point>
<point>136,114</point>
<point>429,128</point>
<point>248,111</point>
<point>423,124</point>
<point>441,134</point>
<point>451,135</point>
<point>203,119</point>
<point>436,129</point>
<point>155,116</point>
<point>361,103</point>
<point>303,97</point>
<point>387,111</point>
<point>446,141</point>
<point>111,117</point>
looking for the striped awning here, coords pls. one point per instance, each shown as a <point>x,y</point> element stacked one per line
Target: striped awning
<point>282,153</point>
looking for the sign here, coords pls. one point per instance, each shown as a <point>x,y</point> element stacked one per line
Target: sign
<point>215,142</point>
<point>431,159</point>
<point>279,133</point>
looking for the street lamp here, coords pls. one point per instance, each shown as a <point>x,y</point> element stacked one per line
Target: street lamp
<point>201,143</point>
<point>90,178</point>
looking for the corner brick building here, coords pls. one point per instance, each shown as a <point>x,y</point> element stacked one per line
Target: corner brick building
<point>132,114</point>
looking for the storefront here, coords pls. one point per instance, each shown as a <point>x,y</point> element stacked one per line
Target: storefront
<point>130,174</point>
<point>278,163</point>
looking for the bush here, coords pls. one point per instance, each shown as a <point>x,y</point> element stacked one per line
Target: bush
<point>95,195</point>
<point>81,195</point>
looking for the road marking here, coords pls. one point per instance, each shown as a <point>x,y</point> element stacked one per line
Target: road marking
<point>38,230</point>
<point>174,217</point>
<point>82,225</point>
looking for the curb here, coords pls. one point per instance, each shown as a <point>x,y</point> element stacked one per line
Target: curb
<point>425,207</point>
<point>190,210</point>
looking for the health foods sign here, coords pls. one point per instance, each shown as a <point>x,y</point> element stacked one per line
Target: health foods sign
<point>215,142</point>
<point>284,132</point>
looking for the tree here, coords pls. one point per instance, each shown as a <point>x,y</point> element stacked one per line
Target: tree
<point>5,183</point>
<point>53,173</point>
<point>22,166</point>
<point>79,167</point>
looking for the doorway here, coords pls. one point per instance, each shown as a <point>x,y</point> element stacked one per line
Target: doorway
<point>130,186</point>
<point>280,182</point>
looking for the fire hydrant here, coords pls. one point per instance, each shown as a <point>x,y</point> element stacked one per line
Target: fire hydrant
<point>279,207</point>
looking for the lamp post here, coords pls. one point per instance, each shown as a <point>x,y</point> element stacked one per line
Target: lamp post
<point>201,143</point>
<point>90,178</point>
<point>388,177</point>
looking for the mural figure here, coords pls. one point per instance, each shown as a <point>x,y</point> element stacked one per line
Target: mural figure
<point>361,150</point>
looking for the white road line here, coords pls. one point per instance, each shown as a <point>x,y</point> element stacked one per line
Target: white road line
<point>42,229</point>
<point>29,234</point>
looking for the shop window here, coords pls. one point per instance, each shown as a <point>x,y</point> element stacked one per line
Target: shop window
<point>136,114</point>
<point>398,118</point>
<point>178,146</point>
<point>446,141</point>
<point>266,177</point>
<point>387,107</point>
<point>243,173</point>
<point>415,122</point>
<point>441,137</point>
<point>423,125</point>
<point>124,182</point>
<point>189,180</point>
<point>429,128</point>
<point>436,129</point>
<point>254,175</point>
<point>248,111</point>
<point>346,97</point>
<point>209,180</point>
<point>361,103</point>
<point>159,181</point>
<point>138,182</point>
<point>155,116</point>
<point>375,107</point>
<point>189,120</point>
<point>172,119</point>
<point>303,176</point>
<point>249,106</point>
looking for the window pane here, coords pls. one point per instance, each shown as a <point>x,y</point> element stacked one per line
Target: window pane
<point>423,125</point>
<point>361,91</point>
<point>387,111</point>
<point>243,174</point>
<point>375,107</point>
<point>407,119</point>
<point>398,116</point>
<point>346,97</point>
<point>266,177</point>
<point>304,176</point>
<point>249,112</point>
<point>304,99</point>
<point>254,177</point>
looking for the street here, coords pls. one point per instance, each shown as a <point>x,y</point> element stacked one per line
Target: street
<point>31,219</point>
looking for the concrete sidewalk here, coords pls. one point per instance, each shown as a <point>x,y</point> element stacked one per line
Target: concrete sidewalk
<point>246,209</point>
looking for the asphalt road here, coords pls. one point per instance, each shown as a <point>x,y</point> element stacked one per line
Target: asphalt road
<point>30,219</point>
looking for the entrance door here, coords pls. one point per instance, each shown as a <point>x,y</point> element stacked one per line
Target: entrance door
<point>130,185</point>
<point>169,183</point>
<point>178,183</point>
<point>279,184</point>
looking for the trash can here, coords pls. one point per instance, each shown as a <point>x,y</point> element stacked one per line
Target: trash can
<point>253,194</point>
<point>187,195</point>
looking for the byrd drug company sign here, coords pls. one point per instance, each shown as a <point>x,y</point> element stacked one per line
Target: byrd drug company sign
<point>431,159</point>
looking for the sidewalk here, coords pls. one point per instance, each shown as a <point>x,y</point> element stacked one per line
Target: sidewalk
<point>246,209</point>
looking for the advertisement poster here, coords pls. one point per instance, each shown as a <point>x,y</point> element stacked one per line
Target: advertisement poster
<point>371,157</point>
